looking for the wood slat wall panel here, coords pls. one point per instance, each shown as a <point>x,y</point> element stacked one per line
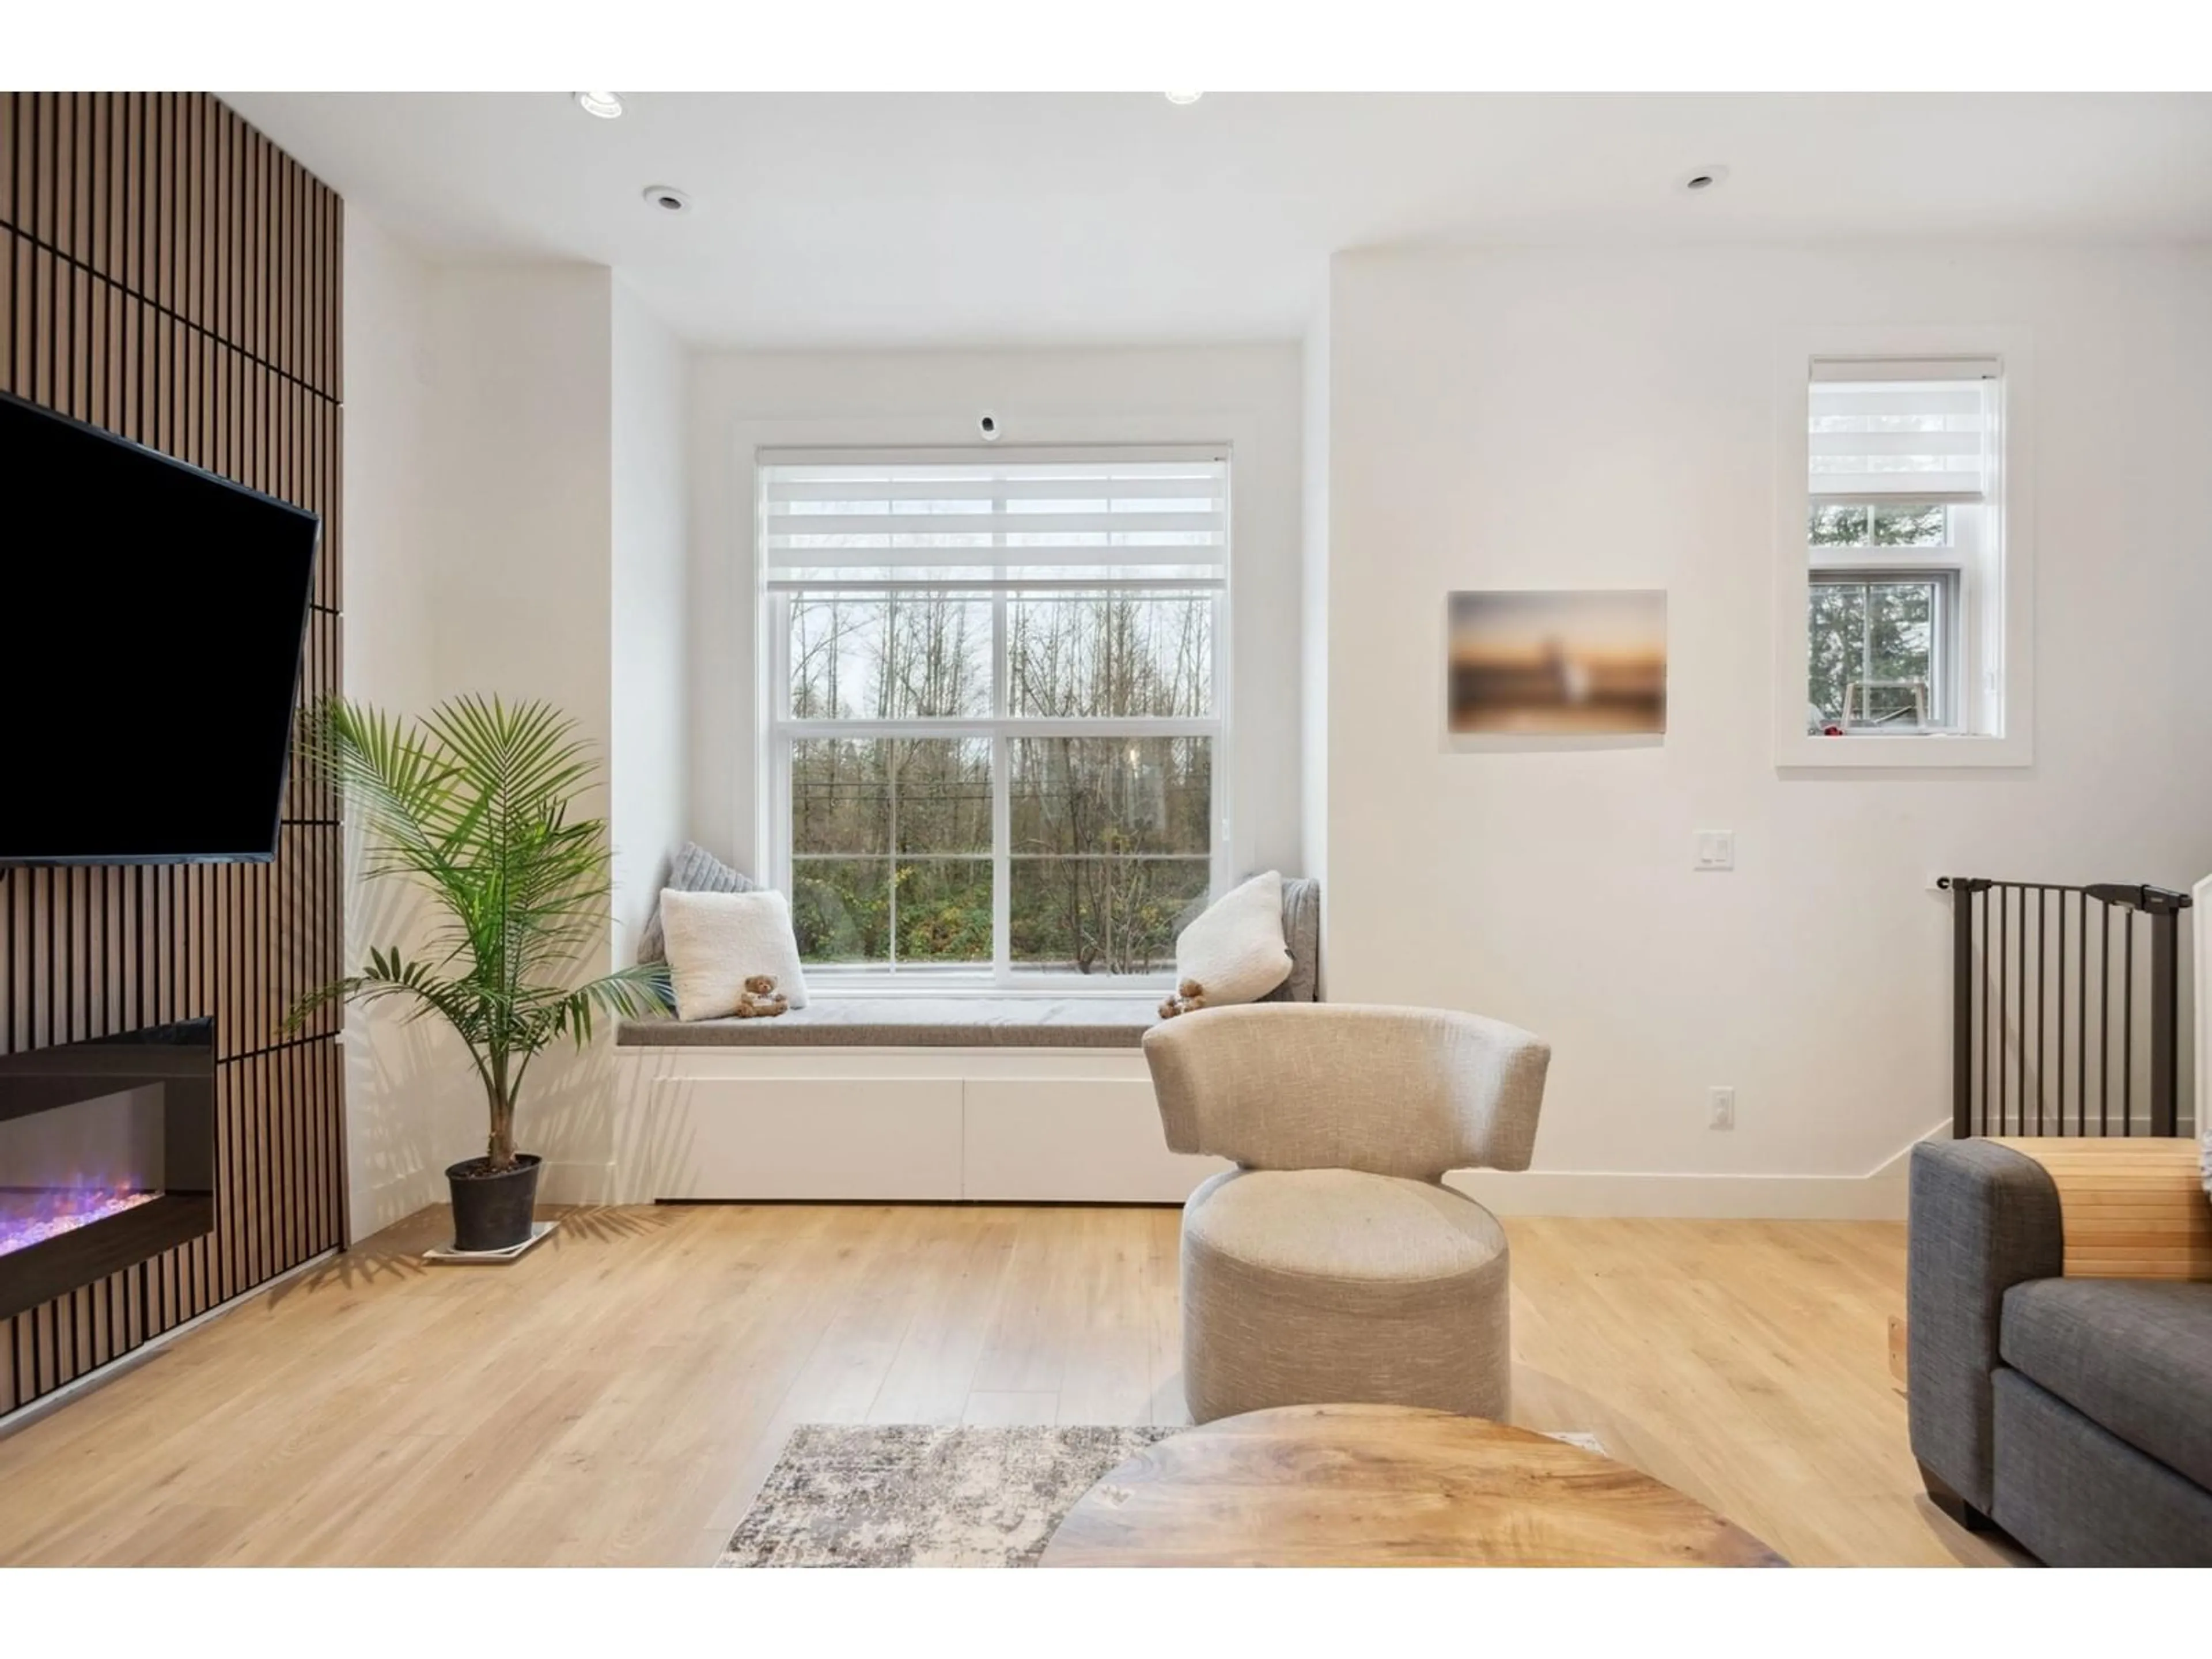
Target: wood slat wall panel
<point>174,198</point>
<point>168,274</point>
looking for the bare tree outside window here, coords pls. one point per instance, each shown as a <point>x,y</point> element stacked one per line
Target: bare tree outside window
<point>1029,783</point>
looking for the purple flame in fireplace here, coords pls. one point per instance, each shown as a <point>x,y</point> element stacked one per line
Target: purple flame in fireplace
<point>33,1217</point>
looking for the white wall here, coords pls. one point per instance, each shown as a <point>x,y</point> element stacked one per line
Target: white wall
<point>518,445</point>
<point>521,486</point>
<point>546,498</point>
<point>515,526</point>
<point>393,1105</point>
<point>523,495</point>
<point>1249,395</point>
<point>647,592</point>
<point>1608,418</point>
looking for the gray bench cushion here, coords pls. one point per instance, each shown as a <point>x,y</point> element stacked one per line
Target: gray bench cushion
<point>916,1023</point>
<point>2133,1355</point>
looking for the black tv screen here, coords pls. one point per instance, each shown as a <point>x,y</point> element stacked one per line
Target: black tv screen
<point>151,622</point>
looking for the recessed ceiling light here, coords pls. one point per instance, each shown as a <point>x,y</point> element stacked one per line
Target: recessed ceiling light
<point>605,105</point>
<point>1705,178</point>
<point>667,199</point>
<point>1182,97</point>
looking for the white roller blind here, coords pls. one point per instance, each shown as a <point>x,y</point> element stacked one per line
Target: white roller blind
<point>829,515</point>
<point>1881,431</point>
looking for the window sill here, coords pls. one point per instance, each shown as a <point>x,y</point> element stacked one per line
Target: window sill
<point>826,988</point>
<point>1918,751</point>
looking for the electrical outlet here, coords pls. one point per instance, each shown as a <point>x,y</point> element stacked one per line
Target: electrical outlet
<point>1720,1108</point>
<point>1716,849</point>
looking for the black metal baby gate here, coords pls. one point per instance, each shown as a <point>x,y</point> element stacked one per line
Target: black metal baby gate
<point>2065,1015</point>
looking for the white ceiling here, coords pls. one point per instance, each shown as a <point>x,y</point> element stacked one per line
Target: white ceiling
<point>918,219</point>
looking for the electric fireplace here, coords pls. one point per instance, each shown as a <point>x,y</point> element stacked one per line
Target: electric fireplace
<point>107,1157</point>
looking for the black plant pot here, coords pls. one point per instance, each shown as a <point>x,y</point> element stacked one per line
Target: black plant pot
<point>492,1210</point>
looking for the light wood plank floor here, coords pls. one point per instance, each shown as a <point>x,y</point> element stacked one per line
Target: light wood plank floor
<point>616,1396</point>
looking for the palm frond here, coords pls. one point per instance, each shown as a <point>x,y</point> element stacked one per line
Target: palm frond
<point>626,994</point>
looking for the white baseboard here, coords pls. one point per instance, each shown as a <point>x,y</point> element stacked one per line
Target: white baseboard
<point>379,1205</point>
<point>578,1181</point>
<point>1038,1127</point>
<point>373,1206</point>
<point>1877,1195</point>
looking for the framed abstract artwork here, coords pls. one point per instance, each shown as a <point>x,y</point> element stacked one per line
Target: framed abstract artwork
<point>1527,663</point>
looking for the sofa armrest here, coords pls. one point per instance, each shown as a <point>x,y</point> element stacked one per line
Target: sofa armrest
<point>2128,1207</point>
<point>1983,1218</point>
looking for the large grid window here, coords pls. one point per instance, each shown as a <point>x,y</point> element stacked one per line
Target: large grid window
<point>996,741</point>
<point>1902,459</point>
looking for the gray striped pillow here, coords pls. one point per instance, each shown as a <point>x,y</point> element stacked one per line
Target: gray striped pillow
<point>1302,938</point>
<point>691,869</point>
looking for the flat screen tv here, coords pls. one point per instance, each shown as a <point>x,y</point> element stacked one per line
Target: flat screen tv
<point>152,617</point>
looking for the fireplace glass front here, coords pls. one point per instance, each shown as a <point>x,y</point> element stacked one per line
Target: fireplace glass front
<point>75,1165</point>
<point>107,1157</point>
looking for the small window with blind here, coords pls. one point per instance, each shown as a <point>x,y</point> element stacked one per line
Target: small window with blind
<point>1904,541</point>
<point>996,709</point>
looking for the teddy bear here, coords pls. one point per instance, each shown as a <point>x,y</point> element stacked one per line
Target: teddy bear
<point>760,999</point>
<point>1187,999</point>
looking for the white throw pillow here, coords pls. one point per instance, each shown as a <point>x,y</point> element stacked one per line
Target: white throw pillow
<point>691,869</point>
<point>1235,950</point>
<point>717,941</point>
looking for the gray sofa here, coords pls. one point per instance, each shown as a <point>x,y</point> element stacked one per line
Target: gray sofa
<point>2074,1412</point>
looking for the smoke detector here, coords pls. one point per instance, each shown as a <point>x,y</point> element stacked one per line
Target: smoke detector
<point>667,199</point>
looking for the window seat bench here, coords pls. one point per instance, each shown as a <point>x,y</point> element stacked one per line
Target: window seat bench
<point>1037,1100</point>
<point>915,1023</point>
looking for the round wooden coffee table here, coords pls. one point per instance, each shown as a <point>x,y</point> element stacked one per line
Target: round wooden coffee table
<point>1383,1485</point>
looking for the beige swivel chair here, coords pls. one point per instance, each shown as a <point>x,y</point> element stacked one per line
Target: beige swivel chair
<point>1333,1265</point>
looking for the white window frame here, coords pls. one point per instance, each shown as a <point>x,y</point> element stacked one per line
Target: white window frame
<point>780,732</point>
<point>1991,648</point>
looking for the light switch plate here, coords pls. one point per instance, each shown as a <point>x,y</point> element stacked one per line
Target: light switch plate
<point>1716,849</point>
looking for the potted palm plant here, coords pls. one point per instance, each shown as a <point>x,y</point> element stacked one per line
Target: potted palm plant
<point>473,801</point>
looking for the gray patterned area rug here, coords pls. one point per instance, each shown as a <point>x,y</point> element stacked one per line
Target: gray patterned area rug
<point>910,1495</point>
<point>907,1495</point>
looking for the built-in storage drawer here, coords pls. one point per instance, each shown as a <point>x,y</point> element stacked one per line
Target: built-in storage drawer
<point>884,1124</point>
<point>1072,1139</point>
<point>826,1137</point>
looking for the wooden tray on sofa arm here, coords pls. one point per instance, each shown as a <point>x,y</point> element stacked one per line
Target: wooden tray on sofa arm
<point>2132,1207</point>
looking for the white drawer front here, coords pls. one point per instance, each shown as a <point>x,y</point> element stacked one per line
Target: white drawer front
<point>828,1137</point>
<point>1073,1140</point>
